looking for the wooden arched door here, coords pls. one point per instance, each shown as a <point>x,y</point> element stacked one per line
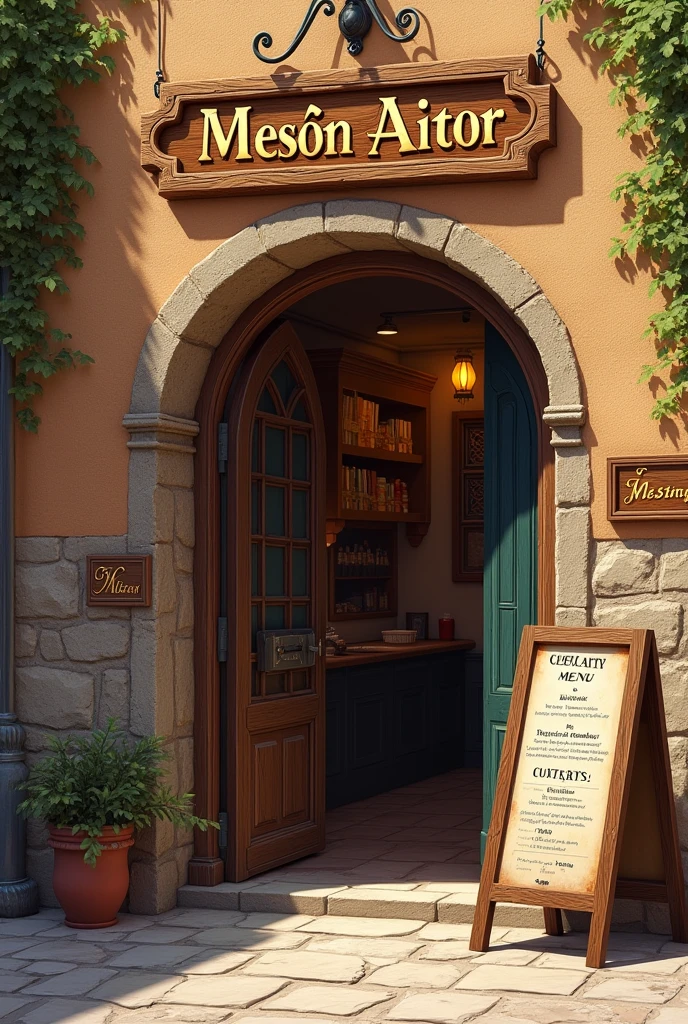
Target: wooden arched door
<point>275,579</point>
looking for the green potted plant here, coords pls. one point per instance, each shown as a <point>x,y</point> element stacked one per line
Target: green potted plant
<point>94,792</point>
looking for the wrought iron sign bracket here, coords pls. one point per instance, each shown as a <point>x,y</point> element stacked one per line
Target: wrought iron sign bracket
<point>355,21</point>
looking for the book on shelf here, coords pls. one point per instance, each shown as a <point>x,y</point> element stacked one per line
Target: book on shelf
<point>362,428</point>
<point>364,490</point>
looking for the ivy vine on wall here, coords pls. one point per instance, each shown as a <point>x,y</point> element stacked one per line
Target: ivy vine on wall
<point>646,47</point>
<point>45,47</point>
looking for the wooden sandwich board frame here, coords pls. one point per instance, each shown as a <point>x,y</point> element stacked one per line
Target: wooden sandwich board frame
<point>640,804</point>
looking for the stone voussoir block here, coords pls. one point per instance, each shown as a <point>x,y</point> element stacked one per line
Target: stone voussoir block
<point>424,232</point>
<point>625,568</point>
<point>675,687</point>
<point>97,641</point>
<point>183,681</point>
<point>296,236</point>
<point>665,617</point>
<point>571,617</point>
<point>47,591</point>
<point>543,324</point>
<point>363,224</point>
<point>51,646</point>
<point>484,262</point>
<point>55,697</point>
<point>163,513</point>
<point>37,549</point>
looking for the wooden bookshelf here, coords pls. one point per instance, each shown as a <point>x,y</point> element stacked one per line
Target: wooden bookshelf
<point>352,584</point>
<point>401,394</point>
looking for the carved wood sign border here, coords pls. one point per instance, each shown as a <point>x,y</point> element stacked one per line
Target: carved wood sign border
<point>407,123</point>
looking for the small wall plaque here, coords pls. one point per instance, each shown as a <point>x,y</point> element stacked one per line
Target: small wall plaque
<point>120,580</point>
<point>652,488</point>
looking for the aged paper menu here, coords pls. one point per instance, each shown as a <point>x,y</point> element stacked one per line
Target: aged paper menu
<point>556,818</point>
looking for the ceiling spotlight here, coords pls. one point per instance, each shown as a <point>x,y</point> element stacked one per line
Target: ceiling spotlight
<point>387,326</point>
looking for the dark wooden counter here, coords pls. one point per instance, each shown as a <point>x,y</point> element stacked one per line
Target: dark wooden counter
<point>375,650</point>
<point>395,714</point>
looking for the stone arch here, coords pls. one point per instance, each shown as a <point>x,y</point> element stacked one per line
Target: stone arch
<point>170,373</point>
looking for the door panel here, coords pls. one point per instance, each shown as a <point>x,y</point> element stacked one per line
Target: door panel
<point>275,580</point>
<point>510,579</point>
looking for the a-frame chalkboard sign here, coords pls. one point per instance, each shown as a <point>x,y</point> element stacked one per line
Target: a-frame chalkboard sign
<point>584,807</point>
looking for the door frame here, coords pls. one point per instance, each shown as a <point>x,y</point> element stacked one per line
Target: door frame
<point>206,867</point>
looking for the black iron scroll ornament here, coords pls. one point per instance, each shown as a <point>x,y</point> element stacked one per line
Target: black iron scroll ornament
<point>355,21</point>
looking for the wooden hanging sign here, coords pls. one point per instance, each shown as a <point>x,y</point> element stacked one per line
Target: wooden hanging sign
<point>655,487</point>
<point>405,123</point>
<point>584,807</point>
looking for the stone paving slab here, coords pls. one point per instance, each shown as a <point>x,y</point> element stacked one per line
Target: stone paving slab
<point>365,926</point>
<point>358,902</point>
<point>73,983</point>
<point>68,1011</point>
<point>523,979</point>
<point>634,991</point>
<point>233,991</point>
<point>415,975</point>
<point>285,898</point>
<point>326,999</point>
<point>172,1015</point>
<point>238,938</point>
<point>135,988</point>
<point>441,1008</point>
<point>308,966</point>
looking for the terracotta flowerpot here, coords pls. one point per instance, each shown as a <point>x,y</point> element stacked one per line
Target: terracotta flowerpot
<point>91,897</point>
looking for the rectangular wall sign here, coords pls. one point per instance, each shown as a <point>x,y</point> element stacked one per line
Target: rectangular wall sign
<point>584,808</point>
<point>406,123</point>
<point>650,488</point>
<point>123,580</point>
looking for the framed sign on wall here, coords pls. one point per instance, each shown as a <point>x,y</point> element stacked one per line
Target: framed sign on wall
<point>119,580</point>
<point>584,808</point>
<point>651,488</point>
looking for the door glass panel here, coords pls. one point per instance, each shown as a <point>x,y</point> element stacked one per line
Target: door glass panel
<point>299,616</point>
<point>299,412</point>
<point>275,452</point>
<point>255,448</point>
<point>255,625</point>
<point>266,403</point>
<point>255,507</point>
<point>274,573</point>
<point>284,380</point>
<point>274,511</point>
<point>255,570</point>
<point>299,681</point>
<point>280,522</point>
<point>299,457</point>
<point>299,572</point>
<point>275,682</point>
<point>299,514</point>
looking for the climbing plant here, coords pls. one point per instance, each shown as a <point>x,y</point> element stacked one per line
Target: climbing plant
<point>46,46</point>
<point>646,53</point>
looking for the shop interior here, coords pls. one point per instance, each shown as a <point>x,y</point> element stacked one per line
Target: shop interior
<point>405,552</point>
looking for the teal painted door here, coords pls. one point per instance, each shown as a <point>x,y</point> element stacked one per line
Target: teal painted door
<point>510,579</point>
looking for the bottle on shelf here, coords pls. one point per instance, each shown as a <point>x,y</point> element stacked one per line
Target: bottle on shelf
<point>446,627</point>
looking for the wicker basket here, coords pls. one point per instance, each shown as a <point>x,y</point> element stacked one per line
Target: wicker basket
<point>399,636</point>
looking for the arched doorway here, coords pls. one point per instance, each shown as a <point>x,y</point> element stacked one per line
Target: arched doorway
<point>179,349</point>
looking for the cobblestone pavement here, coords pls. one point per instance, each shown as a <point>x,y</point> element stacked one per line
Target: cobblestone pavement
<point>207,966</point>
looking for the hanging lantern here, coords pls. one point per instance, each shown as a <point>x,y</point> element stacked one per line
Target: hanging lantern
<point>463,376</point>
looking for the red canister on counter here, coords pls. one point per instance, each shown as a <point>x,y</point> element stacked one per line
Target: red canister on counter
<point>446,627</point>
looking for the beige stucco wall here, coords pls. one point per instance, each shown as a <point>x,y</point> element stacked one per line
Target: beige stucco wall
<point>138,247</point>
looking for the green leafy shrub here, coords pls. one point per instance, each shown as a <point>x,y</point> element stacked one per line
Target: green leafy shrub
<point>105,779</point>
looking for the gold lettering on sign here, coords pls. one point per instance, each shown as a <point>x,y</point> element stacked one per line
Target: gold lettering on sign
<point>641,491</point>
<point>465,130</point>
<point>109,577</point>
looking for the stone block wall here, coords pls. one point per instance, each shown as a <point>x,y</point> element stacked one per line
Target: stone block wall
<point>644,584</point>
<point>78,666</point>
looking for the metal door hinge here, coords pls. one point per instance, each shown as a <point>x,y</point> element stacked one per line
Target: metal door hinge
<point>222,639</point>
<point>223,822</point>
<point>222,447</point>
